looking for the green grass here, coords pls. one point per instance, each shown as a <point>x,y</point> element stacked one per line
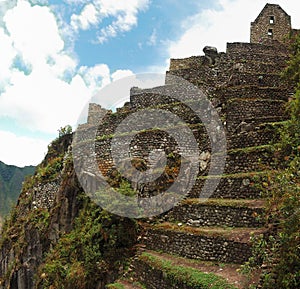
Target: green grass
<point>237,175</point>
<point>267,147</point>
<point>186,275</point>
<point>219,202</point>
<point>225,233</point>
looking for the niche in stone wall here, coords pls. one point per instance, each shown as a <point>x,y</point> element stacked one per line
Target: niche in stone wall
<point>270,33</point>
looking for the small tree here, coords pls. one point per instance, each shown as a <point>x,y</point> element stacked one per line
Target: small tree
<point>64,130</point>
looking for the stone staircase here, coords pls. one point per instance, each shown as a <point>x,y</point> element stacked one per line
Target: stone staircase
<point>201,243</point>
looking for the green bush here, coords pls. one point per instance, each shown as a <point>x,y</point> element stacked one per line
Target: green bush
<point>99,242</point>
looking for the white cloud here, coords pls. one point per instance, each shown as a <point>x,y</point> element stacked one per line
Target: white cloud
<point>229,23</point>
<point>7,54</point>
<point>88,17</point>
<point>38,36</point>
<point>42,99</point>
<point>41,86</point>
<point>43,102</point>
<point>54,91</point>
<point>96,76</point>
<point>4,6</point>
<point>153,38</point>
<point>24,150</point>
<point>122,14</point>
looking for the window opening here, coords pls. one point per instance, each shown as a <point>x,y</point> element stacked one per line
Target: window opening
<point>270,32</point>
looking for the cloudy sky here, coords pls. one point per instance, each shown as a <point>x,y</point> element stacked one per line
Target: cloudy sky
<point>56,54</point>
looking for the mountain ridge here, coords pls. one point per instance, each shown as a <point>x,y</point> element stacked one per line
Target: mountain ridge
<point>11,179</point>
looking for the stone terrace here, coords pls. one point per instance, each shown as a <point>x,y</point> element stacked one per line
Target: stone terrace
<point>245,86</point>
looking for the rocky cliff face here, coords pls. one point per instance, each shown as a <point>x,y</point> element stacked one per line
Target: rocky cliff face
<point>56,238</point>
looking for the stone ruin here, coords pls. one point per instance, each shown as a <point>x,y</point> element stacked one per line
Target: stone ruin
<point>245,86</point>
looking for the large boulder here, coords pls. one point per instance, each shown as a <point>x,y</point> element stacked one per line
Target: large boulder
<point>211,53</point>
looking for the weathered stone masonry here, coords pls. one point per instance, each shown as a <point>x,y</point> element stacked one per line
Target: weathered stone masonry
<point>273,23</point>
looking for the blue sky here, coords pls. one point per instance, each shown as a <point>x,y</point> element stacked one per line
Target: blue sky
<point>56,54</point>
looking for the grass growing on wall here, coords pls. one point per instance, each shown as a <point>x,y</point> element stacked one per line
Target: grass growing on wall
<point>186,275</point>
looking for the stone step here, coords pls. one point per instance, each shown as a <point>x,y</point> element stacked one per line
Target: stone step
<point>252,92</point>
<point>237,125</point>
<point>257,56</point>
<point>252,48</point>
<point>237,78</point>
<point>241,167</point>
<point>239,134</point>
<point>232,76</point>
<point>234,186</point>
<point>247,109</point>
<point>235,107</point>
<point>255,111</point>
<point>249,135</point>
<point>218,212</point>
<point>230,245</point>
<point>255,67</point>
<point>251,159</point>
<point>164,271</point>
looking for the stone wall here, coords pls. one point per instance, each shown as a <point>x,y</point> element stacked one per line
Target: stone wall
<point>254,108</point>
<point>43,195</point>
<point>243,53</point>
<point>258,79</point>
<point>272,23</point>
<point>155,278</point>
<point>251,136</point>
<point>195,62</point>
<point>206,214</point>
<point>256,48</point>
<point>243,101</point>
<point>197,246</point>
<point>250,92</point>
<point>238,187</point>
<point>248,161</point>
<point>94,112</point>
<point>261,57</point>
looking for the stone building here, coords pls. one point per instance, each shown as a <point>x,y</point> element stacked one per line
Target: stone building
<point>273,23</point>
<point>95,113</point>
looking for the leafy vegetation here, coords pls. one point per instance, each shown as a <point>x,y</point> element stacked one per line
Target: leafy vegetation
<point>65,130</point>
<point>98,243</point>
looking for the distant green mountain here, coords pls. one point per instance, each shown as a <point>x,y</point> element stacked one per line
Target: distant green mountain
<point>11,178</point>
